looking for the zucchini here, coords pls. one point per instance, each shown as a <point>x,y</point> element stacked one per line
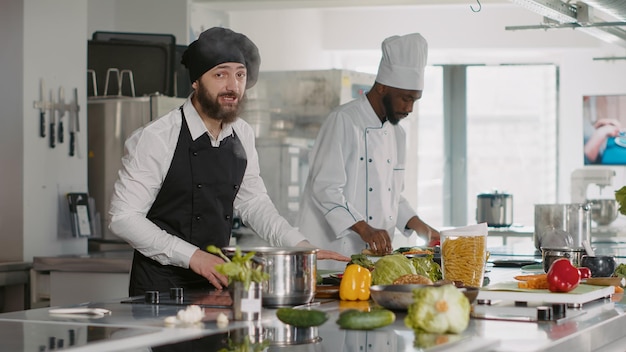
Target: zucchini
<point>302,318</point>
<point>353,319</point>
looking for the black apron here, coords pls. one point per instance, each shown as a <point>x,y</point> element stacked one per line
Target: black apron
<point>195,203</point>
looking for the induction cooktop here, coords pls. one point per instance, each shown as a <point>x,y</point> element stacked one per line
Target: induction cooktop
<point>178,297</point>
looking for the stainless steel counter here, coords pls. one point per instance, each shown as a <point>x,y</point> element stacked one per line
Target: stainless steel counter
<point>110,262</point>
<point>138,326</point>
<point>14,285</point>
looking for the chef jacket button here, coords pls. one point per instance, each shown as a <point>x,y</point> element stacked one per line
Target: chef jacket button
<point>371,189</point>
<point>388,161</point>
<point>199,185</point>
<point>389,189</point>
<point>391,218</point>
<point>227,217</point>
<point>362,158</point>
<point>385,132</point>
<point>370,218</point>
<point>370,160</point>
<point>195,153</point>
<point>197,217</point>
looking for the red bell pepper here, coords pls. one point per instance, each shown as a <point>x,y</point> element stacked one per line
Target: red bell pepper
<point>563,276</point>
<point>585,273</point>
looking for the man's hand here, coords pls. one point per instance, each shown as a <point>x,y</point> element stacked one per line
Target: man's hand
<point>324,254</point>
<point>377,239</point>
<point>204,263</point>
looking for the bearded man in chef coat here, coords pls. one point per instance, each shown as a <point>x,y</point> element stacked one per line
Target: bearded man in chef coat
<point>352,198</point>
<point>184,174</point>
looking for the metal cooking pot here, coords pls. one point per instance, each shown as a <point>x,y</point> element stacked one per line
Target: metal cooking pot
<point>562,225</point>
<point>496,209</point>
<point>292,271</point>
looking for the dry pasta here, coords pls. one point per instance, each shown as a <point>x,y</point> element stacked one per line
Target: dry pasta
<point>463,259</point>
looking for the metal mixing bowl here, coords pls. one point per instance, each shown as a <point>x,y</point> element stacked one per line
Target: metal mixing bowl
<point>399,297</point>
<point>603,211</point>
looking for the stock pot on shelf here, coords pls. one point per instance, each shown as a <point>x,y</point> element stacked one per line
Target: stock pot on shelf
<point>495,208</point>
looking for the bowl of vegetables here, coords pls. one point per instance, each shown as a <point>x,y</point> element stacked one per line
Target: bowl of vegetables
<point>399,297</point>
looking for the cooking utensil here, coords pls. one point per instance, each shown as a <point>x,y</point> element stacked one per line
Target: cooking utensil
<point>496,209</point>
<point>61,112</point>
<point>549,255</point>
<point>603,211</point>
<point>52,122</point>
<point>399,297</point>
<point>562,225</point>
<point>604,281</point>
<point>292,272</point>
<point>588,248</point>
<point>327,291</point>
<point>74,126</point>
<point>600,265</point>
<point>93,312</point>
<point>42,109</point>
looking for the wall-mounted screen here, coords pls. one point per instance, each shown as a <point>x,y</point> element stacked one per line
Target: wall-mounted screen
<point>604,128</point>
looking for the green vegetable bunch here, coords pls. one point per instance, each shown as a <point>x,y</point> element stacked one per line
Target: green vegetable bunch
<point>246,346</point>
<point>620,197</point>
<point>391,267</point>
<point>438,310</point>
<point>620,271</point>
<point>426,266</point>
<point>240,268</point>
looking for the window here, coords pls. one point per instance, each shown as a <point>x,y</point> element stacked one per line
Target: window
<point>481,128</point>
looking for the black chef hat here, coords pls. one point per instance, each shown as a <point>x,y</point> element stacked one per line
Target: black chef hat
<point>219,45</point>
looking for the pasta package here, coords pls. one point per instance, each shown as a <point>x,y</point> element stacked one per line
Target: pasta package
<point>464,254</point>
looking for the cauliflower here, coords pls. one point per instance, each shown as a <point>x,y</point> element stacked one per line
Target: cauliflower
<point>438,310</point>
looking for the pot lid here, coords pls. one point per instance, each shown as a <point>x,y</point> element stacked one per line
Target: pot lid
<point>494,194</point>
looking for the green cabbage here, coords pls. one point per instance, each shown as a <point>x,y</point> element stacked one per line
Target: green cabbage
<point>438,310</point>
<point>391,267</point>
<point>425,266</point>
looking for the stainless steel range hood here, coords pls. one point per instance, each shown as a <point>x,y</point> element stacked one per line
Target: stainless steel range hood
<point>599,18</point>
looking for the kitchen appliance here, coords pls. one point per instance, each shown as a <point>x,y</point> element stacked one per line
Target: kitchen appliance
<point>562,225</point>
<point>603,211</point>
<point>111,120</point>
<point>150,57</point>
<point>292,271</point>
<point>582,178</point>
<point>496,209</point>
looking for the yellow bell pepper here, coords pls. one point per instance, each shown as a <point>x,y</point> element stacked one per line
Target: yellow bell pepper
<point>355,283</point>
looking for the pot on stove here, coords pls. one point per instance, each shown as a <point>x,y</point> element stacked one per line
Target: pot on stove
<point>292,271</point>
<point>495,208</point>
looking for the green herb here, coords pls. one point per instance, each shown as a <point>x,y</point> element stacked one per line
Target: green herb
<point>362,260</point>
<point>246,346</point>
<point>620,271</point>
<point>620,197</point>
<point>240,267</point>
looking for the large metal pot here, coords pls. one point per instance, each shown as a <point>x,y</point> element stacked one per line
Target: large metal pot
<point>496,209</point>
<point>562,225</point>
<point>292,271</point>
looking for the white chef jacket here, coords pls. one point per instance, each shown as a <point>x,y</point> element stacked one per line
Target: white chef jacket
<point>149,153</point>
<point>356,172</point>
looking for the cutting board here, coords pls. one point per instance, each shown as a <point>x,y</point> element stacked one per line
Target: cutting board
<point>510,292</point>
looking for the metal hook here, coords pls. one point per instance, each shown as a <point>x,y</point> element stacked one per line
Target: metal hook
<point>479,6</point>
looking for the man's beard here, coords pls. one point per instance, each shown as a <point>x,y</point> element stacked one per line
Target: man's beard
<point>391,115</point>
<point>211,106</point>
